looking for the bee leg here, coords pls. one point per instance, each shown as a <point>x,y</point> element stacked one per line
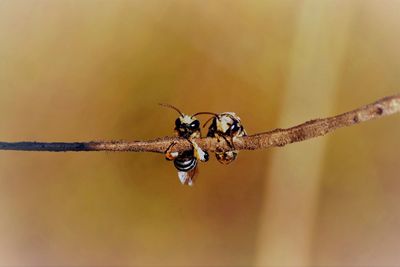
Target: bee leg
<point>229,142</point>
<point>168,155</point>
<point>198,152</point>
<point>232,143</point>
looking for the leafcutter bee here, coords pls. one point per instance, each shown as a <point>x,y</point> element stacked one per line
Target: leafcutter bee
<point>187,127</point>
<point>226,126</point>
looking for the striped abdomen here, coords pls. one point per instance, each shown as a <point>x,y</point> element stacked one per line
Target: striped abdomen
<point>186,161</point>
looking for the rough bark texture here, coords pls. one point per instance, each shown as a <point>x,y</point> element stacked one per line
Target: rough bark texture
<point>278,137</point>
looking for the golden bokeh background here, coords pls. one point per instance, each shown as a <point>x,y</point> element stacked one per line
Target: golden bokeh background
<point>96,69</point>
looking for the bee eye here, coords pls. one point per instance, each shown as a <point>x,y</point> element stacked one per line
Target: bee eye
<point>177,123</point>
<point>234,127</point>
<point>195,124</point>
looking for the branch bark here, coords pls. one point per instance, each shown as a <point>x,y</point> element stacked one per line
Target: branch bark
<point>275,138</point>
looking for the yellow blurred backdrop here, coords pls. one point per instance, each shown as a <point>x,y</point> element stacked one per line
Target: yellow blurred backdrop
<point>96,69</point>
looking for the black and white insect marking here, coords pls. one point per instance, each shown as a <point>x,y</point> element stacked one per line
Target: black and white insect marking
<point>187,127</point>
<point>226,126</point>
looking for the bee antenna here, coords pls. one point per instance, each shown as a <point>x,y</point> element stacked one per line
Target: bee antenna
<point>204,125</point>
<point>205,112</point>
<point>171,106</point>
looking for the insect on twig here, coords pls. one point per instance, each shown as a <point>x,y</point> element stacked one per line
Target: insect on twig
<point>187,127</point>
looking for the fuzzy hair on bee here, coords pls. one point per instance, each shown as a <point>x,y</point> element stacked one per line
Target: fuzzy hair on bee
<point>227,126</point>
<point>187,127</point>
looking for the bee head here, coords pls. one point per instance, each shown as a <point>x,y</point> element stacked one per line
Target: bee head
<point>227,123</point>
<point>187,126</point>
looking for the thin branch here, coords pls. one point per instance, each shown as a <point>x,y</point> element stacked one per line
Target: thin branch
<point>278,137</point>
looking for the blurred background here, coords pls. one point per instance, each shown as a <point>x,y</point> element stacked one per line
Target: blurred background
<point>95,70</point>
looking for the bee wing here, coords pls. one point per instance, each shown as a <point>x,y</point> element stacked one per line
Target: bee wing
<point>188,177</point>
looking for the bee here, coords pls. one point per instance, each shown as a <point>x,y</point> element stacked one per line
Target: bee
<point>227,126</point>
<point>187,127</point>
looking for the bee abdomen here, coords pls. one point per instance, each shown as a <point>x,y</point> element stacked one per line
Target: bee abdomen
<point>185,163</point>
<point>226,157</point>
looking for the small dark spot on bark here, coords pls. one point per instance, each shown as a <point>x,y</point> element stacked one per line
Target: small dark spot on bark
<point>379,111</point>
<point>355,119</point>
<point>281,144</point>
<point>299,135</point>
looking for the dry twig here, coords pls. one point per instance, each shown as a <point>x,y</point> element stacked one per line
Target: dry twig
<point>278,137</point>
